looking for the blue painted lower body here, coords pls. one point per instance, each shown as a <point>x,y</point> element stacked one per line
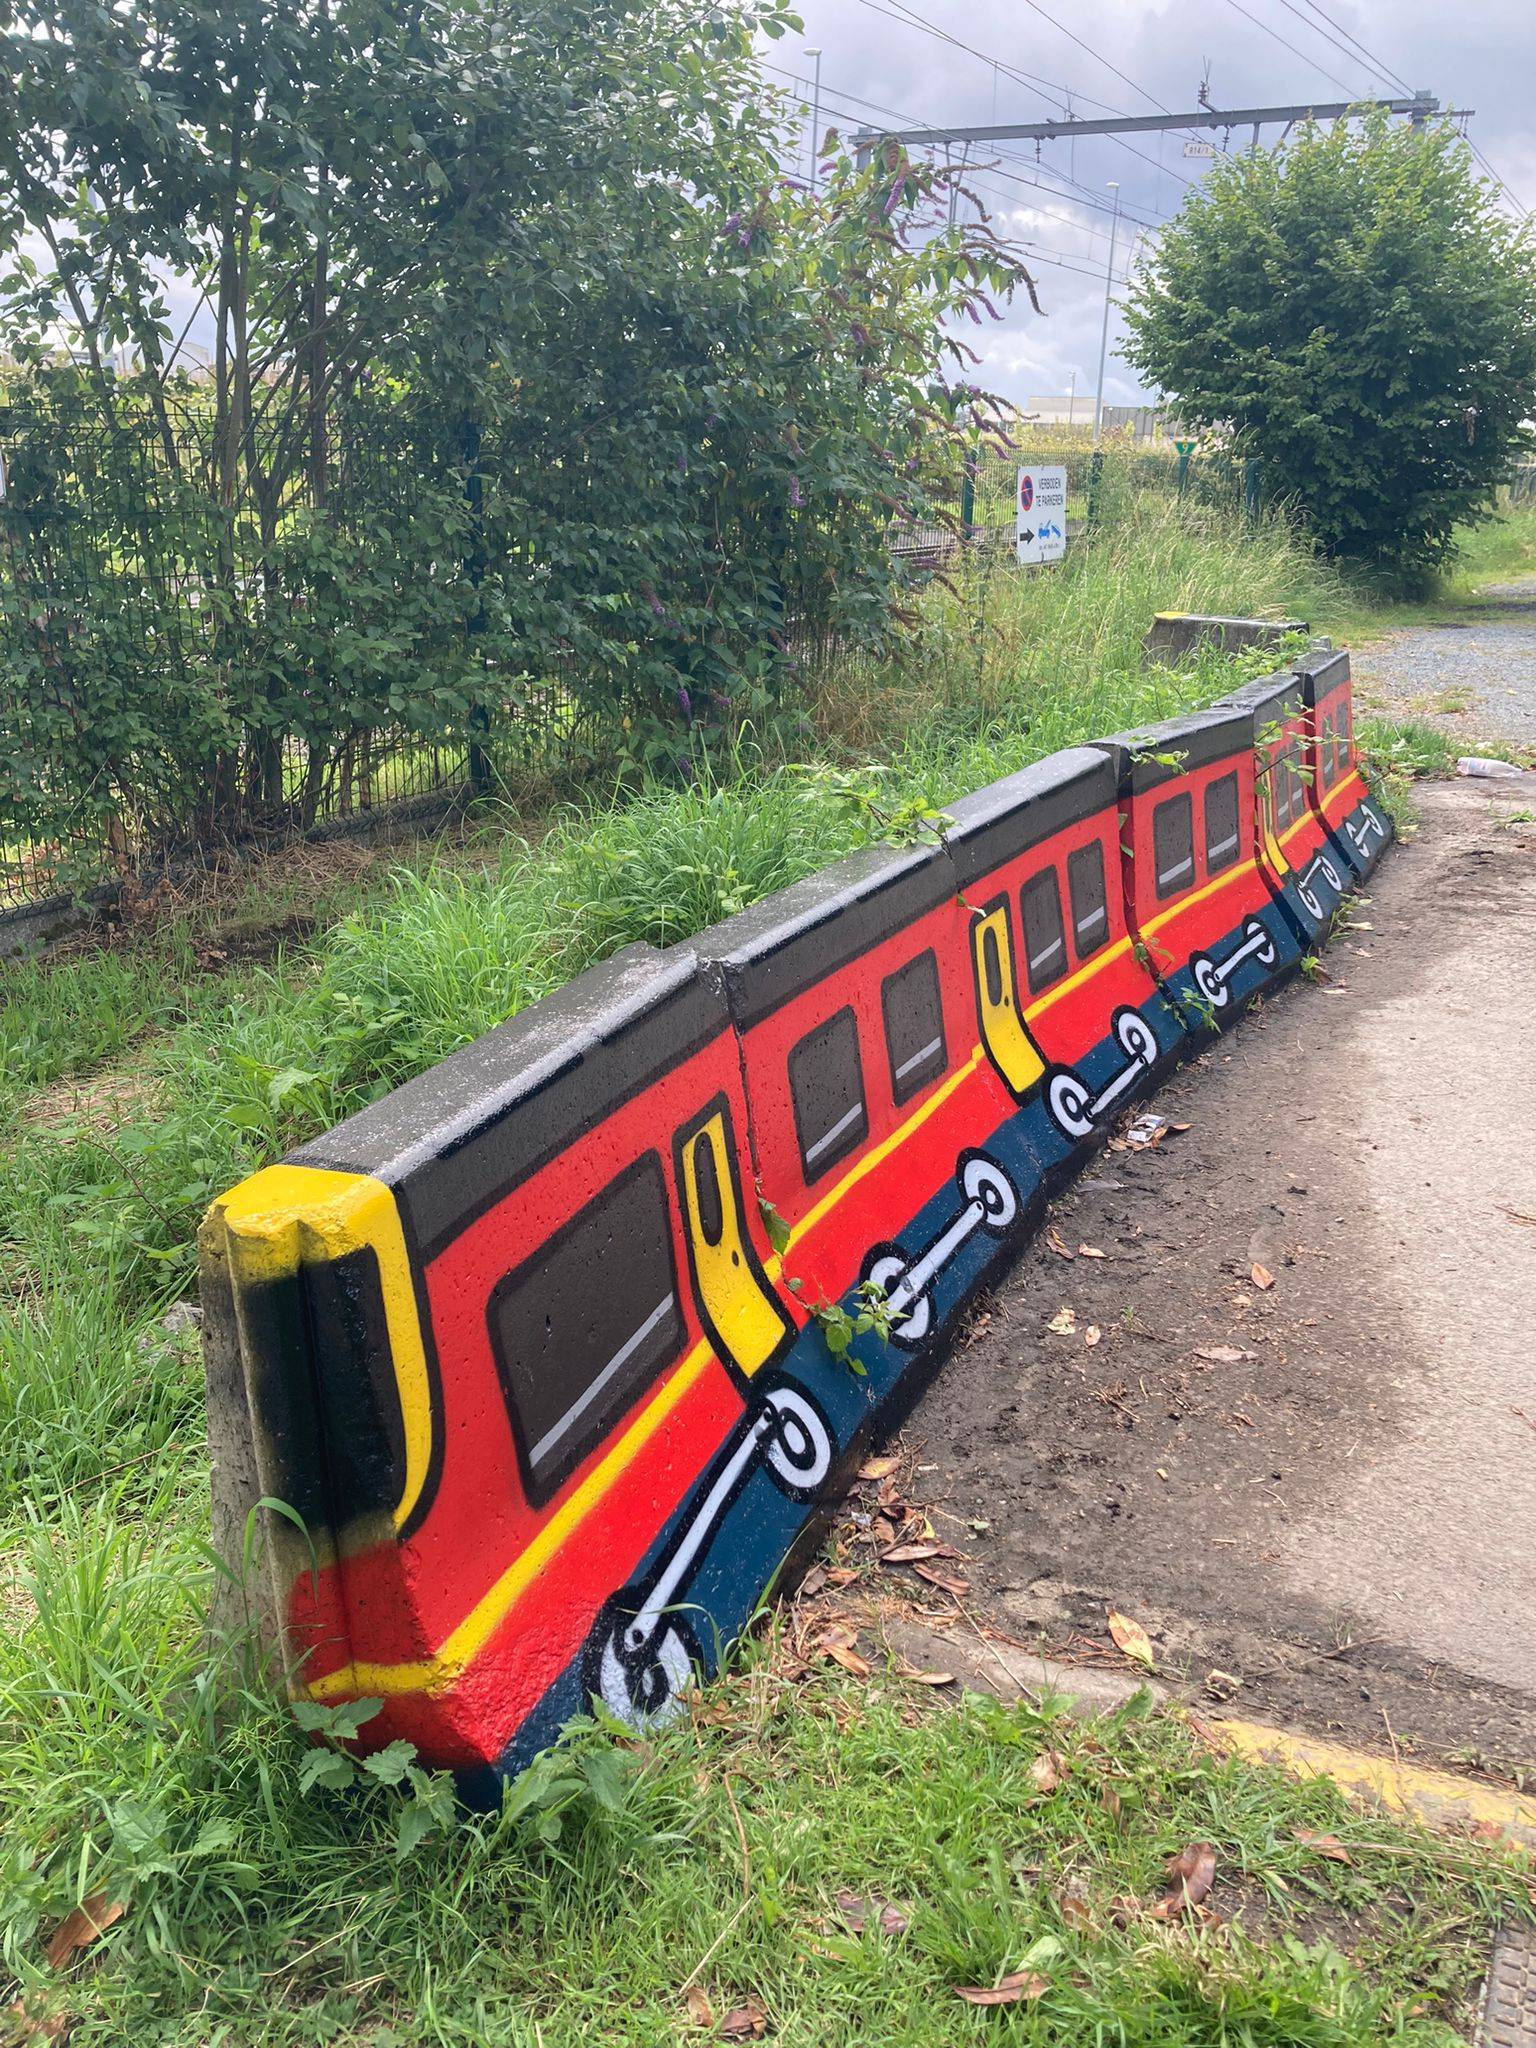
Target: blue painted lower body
<point>1362,837</point>
<point>706,1573</point>
<point>1312,893</point>
<point>1215,986</point>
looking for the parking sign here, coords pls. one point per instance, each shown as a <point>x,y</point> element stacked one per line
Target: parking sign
<point>1041,514</point>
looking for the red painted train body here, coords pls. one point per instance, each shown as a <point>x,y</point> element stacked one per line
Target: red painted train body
<point>537,1347</point>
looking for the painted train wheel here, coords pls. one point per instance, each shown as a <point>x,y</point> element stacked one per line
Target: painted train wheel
<point>799,1452</point>
<point>1068,1101</point>
<point>1137,1039</point>
<point>1208,979</point>
<point>982,1180</point>
<point>643,1688</point>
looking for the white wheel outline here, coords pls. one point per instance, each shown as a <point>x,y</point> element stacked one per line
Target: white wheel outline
<point>1067,1100</point>
<point>795,1415</point>
<point>983,1181</point>
<point>665,1655</point>
<point>1208,980</point>
<point>1137,1039</point>
<point>886,1273</point>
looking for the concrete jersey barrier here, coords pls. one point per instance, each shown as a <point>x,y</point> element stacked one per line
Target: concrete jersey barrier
<point>552,1354</point>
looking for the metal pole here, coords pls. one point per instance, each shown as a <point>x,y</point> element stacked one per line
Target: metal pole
<point>815,113</point>
<point>1109,280</point>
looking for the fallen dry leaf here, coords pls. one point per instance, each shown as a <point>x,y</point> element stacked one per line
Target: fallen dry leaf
<point>1064,1322</point>
<point>1048,1770</point>
<point>1022,1984</point>
<point>1221,1685</point>
<point>837,1643</point>
<point>744,2023</point>
<point>1324,1845</point>
<point>1261,1276</point>
<point>911,1553</point>
<point>700,2011</point>
<point>1223,1354</point>
<point>1091,1335</point>
<point>1089,1251</point>
<point>913,1676</point>
<point>1130,1638</point>
<point>1076,1911</point>
<point>1053,1239</point>
<point>947,1582</point>
<point>859,1913</point>
<point>1193,1872</point>
<point>813,1582</point>
<point>878,1468</point>
<point>1487,1831</point>
<point>77,1930</point>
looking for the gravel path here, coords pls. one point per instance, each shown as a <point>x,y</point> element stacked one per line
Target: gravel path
<point>1475,681</point>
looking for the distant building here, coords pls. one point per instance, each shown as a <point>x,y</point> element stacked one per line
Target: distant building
<point>1075,409</point>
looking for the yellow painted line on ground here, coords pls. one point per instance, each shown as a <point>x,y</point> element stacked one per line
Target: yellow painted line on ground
<point>1437,1798</point>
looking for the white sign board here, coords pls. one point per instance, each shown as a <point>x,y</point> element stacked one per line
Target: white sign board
<point>1040,508</point>
<point>1199,149</point>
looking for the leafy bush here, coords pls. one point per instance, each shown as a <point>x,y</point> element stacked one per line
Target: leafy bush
<point>1356,310</point>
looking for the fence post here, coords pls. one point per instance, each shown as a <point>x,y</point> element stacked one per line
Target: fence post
<point>1095,472</point>
<point>1253,473</point>
<point>1186,449</point>
<point>474,567</point>
<point>968,499</point>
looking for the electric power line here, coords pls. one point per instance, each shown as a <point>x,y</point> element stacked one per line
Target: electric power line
<point>1332,77</point>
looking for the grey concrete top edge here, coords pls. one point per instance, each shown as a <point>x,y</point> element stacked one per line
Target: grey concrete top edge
<point>774,949</point>
<point>1321,670</point>
<point>577,1051</point>
<point>1198,738</point>
<point>1273,694</point>
<point>1009,816</point>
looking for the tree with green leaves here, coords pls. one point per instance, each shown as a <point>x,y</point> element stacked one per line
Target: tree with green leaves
<point>1355,310</point>
<point>527,365</point>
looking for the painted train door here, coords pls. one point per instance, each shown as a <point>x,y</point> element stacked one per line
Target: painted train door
<point>1003,1031</point>
<point>745,1320</point>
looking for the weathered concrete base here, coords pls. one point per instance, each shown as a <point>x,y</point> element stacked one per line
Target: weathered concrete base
<point>32,926</point>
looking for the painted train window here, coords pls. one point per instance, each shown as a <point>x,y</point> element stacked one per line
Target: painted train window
<point>914,1025</point>
<point>1045,942</point>
<point>581,1327</point>
<point>826,1081</point>
<point>1090,908</point>
<point>1221,836</point>
<point>1173,845</point>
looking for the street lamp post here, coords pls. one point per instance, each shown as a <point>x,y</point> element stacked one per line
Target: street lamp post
<point>1109,281</point>
<point>815,115</point>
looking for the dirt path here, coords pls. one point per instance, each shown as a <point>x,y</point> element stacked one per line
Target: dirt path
<point>1325,1487</point>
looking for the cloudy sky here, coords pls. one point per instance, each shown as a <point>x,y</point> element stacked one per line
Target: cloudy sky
<point>941,62</point>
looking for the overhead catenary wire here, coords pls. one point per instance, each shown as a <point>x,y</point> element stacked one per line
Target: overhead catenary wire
<point>910,18</point>
<point>1332,76</point>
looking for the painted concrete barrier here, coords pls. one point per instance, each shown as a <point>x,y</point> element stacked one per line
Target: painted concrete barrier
<point>551,1354</point>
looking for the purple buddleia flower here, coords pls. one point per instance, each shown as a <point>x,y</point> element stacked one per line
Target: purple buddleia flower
<point>894,201</point>
<point>990,307</point>
<point>686,703</point>
<point>796,495</point>
<point>682,465</point>
<point>657,607</point>
<point>733,224</point>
